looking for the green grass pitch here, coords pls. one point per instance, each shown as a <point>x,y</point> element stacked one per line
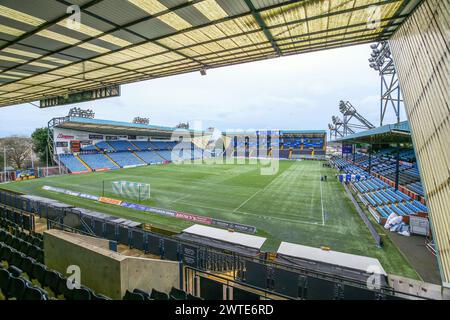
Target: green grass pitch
<point>292,205</point>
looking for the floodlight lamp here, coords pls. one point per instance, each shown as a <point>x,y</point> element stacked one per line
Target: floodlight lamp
<point>374,46</point>
<point>203,72</point>
<point>334,119</point>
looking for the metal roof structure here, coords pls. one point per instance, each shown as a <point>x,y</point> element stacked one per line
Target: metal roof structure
<point>115,127</point>
<point>346,260</point>
<point>234,237</point>
<point>44,53</point>
<point>390,133</point>
<point>313,132</point>
<point>128,128</point>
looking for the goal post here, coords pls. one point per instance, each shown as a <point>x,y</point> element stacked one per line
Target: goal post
<point>131,190</point>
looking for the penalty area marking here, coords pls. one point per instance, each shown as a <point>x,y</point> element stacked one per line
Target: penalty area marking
<point>252,196</point>
<point>180,198</point>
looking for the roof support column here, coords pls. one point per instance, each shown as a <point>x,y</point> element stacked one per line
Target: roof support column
<point>354,153</point>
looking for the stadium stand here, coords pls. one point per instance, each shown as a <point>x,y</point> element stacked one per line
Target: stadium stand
<point>378,195</point>
<point>142,145</point>
<point>105,146</point>
<point>163,145</point>
<point>121,145</point>
<point>126,159</point>
<point>383,164</point>
<point>149,157</point>
<point>89,148</point>
<point>98,161</point>
<point>72,163</point>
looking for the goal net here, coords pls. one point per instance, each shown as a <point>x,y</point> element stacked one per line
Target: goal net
<point>131,190</point>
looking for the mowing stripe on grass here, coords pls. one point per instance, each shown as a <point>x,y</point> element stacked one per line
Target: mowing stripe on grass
<point>263,217</point>
<point>263,189</point>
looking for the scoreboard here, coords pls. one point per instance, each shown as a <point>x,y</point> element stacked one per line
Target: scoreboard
<point>347,149</point>
<point>75,146</point>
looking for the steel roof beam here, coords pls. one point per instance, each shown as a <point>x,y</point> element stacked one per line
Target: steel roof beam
<point>197,27</point>
<point>133,32</point>
<point>251,45</point>
<point>46,25</point>
<point>224,51</point>
<point>255,57</point>
<point>257,16</point>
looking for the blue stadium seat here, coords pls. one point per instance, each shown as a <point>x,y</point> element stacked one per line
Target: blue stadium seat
<point>377,200</point>
<point>72,163</point>
<point>412,207</point>
<point>149,156</point>
<point>371,201</point>
<point>388,197</point>
<point>382,213</point>
<point>143,145</point>
<point>166,154</point>
<point>98,161</point>
<point>397,210</point>
<point>382,198</point>
<point>402,195</point>
<point>405,208</point>
<point>122,145</point>
<point>394,195</point>
<point>388,210</point>
<point>125,159</point>
<point>103,145</point>
<point>163,145</point>
<point>420,206</point>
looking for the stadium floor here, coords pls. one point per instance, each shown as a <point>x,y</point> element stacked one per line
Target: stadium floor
<point>293,205</point>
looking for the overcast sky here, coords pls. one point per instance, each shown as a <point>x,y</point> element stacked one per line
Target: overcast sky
<point>296,92</point>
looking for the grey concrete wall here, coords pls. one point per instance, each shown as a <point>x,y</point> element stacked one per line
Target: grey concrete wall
<point>148,274</point>
<point>100,268</point>
<point>105,271</point>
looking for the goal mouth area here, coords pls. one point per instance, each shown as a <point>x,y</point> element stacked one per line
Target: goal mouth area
<point>131,190</point>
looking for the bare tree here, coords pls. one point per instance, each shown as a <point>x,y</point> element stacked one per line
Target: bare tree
<point>18,150</point>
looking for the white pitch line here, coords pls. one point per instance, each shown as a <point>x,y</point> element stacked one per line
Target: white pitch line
<point>180,198</point>
<point>321,200</point>
<point>251,197</point>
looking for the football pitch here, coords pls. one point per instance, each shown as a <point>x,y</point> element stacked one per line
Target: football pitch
<point>292,205</point>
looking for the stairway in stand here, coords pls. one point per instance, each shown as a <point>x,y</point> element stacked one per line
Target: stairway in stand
<point>84,163</point>
<point>111,159</point>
